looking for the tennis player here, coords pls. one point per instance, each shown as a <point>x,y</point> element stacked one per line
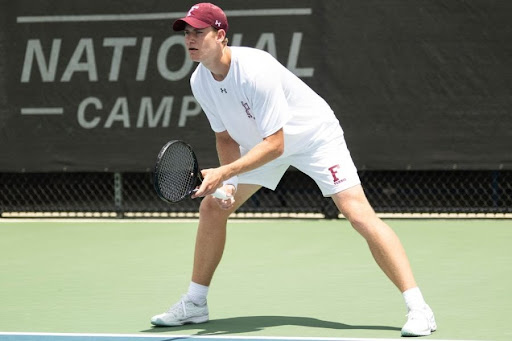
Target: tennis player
<point>265,120</point>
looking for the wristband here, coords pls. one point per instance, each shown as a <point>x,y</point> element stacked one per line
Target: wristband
<point>232,181</point>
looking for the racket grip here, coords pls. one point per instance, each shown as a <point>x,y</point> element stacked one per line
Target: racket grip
<point>220,194</point>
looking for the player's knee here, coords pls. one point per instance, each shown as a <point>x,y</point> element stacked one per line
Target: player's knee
<point>207,205</point>
<point>357,221</point>
<point>370,227</point>
<point>362,218</point>
<point>210,207</point>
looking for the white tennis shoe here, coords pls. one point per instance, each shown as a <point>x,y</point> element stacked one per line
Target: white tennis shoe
<point>420,322</point>
<point>185,311</point>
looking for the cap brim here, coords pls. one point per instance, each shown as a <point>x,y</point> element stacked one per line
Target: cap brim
<point>179,25</point>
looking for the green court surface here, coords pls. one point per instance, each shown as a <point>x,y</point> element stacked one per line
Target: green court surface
<point>278,278</point>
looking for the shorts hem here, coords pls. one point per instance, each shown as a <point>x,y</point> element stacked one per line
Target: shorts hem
<point>341,189</point>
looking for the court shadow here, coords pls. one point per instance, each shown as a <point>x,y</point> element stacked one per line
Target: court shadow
<point>246,324</point>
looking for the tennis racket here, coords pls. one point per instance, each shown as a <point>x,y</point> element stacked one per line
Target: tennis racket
<point>177,174</point>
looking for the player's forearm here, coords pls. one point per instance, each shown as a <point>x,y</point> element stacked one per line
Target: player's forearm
<point>267,150</point>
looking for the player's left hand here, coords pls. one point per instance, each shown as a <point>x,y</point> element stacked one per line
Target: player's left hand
<point>228,203</point>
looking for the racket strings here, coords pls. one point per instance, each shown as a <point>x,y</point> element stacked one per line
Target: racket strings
<point>177,176</point>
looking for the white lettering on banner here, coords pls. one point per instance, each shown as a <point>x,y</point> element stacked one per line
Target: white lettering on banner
<point>143,59</point>
<point>130,57</point>
<point>267,40</point>
<point>84,123</point>
<point>187,110</point>
<point>85,48</point>
<point>162,60</point>
<point>236,40</point>
<point>89,114</point>
<point>293,57</point>
<point>163,113</point>
<point>119,113</point>
<point>84,57</point>
<point>47,70</point>
<point>118,44</point>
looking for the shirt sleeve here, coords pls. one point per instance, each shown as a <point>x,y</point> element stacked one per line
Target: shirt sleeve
<point>270,106</point>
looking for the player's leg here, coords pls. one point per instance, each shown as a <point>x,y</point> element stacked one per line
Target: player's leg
<point>390,255</point>
<point>384,244</point>
<point>210,242</point>
<point>211,234</point>
<point>332,168</point>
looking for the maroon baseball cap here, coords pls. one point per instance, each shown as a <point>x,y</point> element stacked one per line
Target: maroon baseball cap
<point>203,15</point>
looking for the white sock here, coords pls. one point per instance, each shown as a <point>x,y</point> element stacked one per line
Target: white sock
<point>414,299</point>
<point>197,293</point>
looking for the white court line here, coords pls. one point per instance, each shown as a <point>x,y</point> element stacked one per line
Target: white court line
<point>21,217</point>
<point>143,220</point>
<point>220,337</point>
<point>157,16</point>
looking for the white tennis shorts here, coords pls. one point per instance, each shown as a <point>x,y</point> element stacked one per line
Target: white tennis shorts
<point>328,163</point>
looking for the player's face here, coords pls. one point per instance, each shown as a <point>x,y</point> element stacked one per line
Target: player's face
<point>201,44</point>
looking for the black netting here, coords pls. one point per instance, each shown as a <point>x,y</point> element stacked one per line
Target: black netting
<point>133,194</point>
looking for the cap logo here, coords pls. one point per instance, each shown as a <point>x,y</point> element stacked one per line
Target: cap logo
<point>217,23</point>
<point>191,10</point>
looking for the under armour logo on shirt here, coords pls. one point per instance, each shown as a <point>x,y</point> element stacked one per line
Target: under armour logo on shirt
<point>223,90</point>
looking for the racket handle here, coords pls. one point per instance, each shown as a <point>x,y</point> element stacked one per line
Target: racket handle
<point>220,194</point>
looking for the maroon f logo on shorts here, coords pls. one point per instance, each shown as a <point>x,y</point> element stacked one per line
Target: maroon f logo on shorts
<point>334,171</point>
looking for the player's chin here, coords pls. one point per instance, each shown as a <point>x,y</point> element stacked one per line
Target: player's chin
<point>194,55</point>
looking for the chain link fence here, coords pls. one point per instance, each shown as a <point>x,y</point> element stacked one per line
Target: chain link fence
<point>126,195</point>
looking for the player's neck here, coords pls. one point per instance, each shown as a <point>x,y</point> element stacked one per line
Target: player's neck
<point>220,67</point>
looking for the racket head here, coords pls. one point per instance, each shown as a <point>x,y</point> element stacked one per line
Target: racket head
<point>176,172</point>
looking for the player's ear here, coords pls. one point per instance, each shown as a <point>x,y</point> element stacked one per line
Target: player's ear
<point>221,34</point>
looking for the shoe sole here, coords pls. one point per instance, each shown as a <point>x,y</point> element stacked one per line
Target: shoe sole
<point>407,334</point>
<point>411,334</point>
<point>192,320</point>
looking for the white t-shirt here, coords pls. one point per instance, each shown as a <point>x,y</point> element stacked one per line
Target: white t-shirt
<point>258,97</point>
